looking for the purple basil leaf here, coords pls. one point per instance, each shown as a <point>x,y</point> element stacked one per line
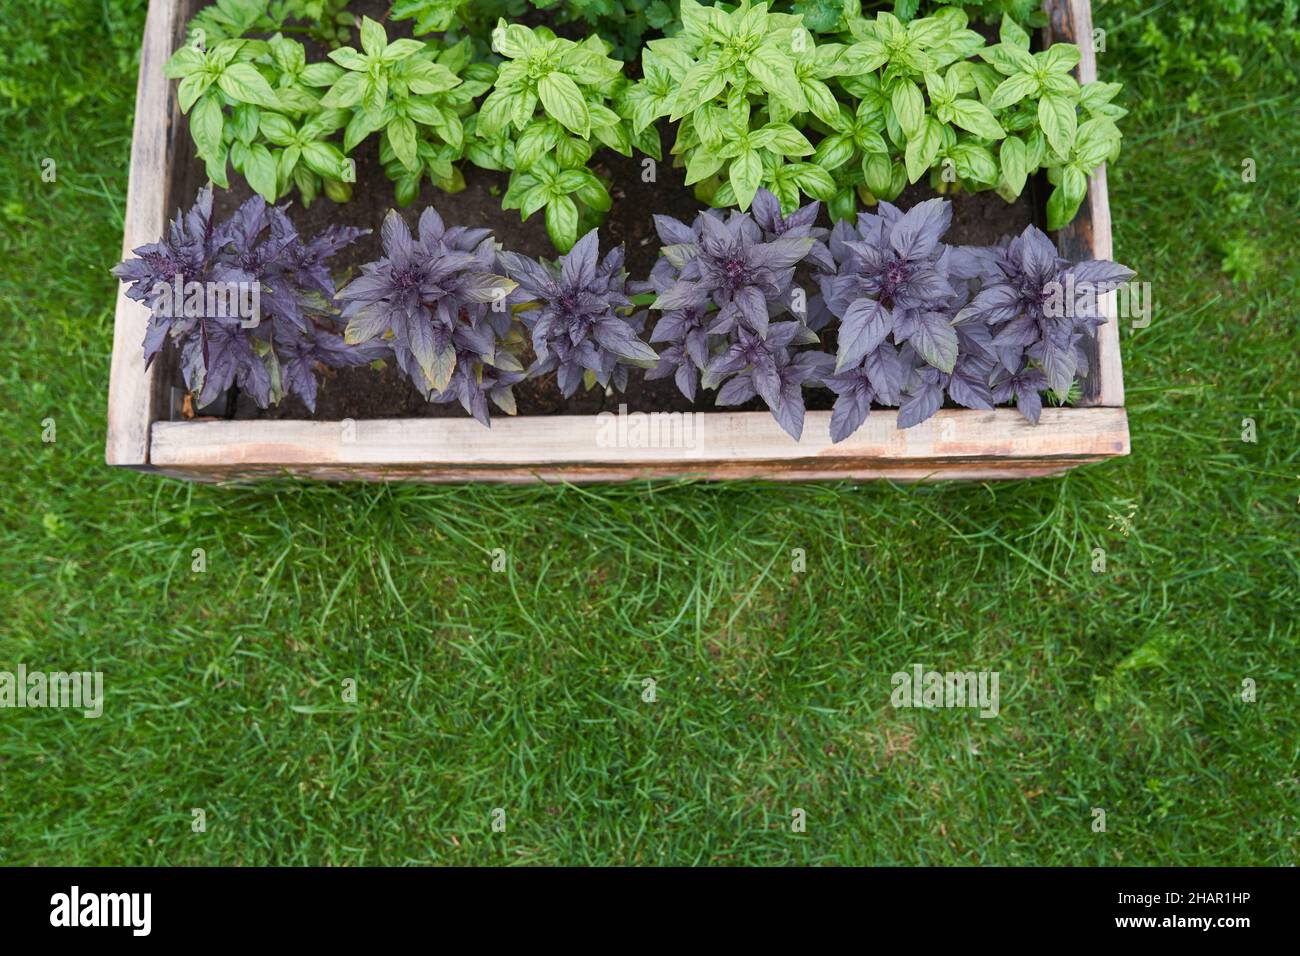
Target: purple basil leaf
<point>920,405</point>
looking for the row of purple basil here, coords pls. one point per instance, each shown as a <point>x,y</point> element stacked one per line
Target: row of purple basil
<point>916,320</point>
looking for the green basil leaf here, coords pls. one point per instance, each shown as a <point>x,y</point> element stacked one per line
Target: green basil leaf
<point>336,191</point>
<point>1015,165</point>
<point>909,107</point>
<point>485,156</point>
<point>616,137</point>
<point>923,149</point>
<point>401,50</point>
<point>813,180</point>
<point>1035,149</point>
<point>536,141</point>
<point>975,163</point>
<point>1063,83</point>
<point>569,181</point>
<point>1012,90</point>
<point>1095,141</point>
<point>720,198</point>
<point>1097,94</point>
<point>863,57</point>
<point>349,59</point>
<point>206,122</point>
<point>407,189</point>
<point>701,164</point>
<point>450,129</point>
<point>740,141</point>
<point>374,93</point>
<point>191,88</point>
<point>708,121</point>
<point>183,62</point>
<point>216,168</point>
<point>513,41</point>
<point>1008,59</point>
<point>897,182</point>
<point>844,206</point>
<point>937,88</point>
<point>297,99</point>
<point>401,136</point>
<point>1012,34</point>
<point>1059,122</point>
<point>1059,57</point>
<point>520,184</point>
<point>308,184</point>
<point>425,77</point>
<point>869,141</point>
<point>562,100</point>
<point>878,172</point>
<point>321,74</point>
<point>285,164</point>
<point>787,193</point>
<point>593,193</point>
<point>244,122</point>
<point>242,82</point>
<point>221,55</point>
<point>1061,208</point>
<point>277,129</point>
<point>359,127</point>
<point>373,37</point>
<point>346,93</point>
<point>494,114</point>
<point>572,152</point>
<point>786,140</point>
<point>289,56</point>
<point>562,222</point>
<point>701,84</point>
<point>647,141</point>
<point>238,153</point>
<point>522,106</point>
<point>973,116</point>
<point>1075,183</point>
<point>821,101</point>
<point>695,16</point>
<point>775,71</point>
<point>534,199</point>
<point>833,151</point>
<point>261,172</point>
<point>745,175</point>
<point>324,159</point>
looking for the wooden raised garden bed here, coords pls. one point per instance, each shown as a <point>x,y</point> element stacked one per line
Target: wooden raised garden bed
<point>147,431</point>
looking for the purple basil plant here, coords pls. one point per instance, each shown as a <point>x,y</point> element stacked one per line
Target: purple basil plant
<point>436,302</point>
<point>247,301</point>
<point>724,285</point>
<point>1040,311</point>
<point>582,323</point>
<point>921,321</point>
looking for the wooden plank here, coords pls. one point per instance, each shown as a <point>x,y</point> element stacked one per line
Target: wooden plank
<point>135,394</point>
<point>1106,381</point>
<point>1089,235</point>
<point>954,443</point>
<point>734,471</point>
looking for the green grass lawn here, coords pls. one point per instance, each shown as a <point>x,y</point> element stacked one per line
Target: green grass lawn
<point>522,689</point>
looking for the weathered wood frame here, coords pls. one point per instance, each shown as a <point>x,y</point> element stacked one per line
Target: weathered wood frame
<point>954,444</point>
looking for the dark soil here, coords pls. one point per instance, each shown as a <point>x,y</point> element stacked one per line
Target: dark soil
<point>368,393</point>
